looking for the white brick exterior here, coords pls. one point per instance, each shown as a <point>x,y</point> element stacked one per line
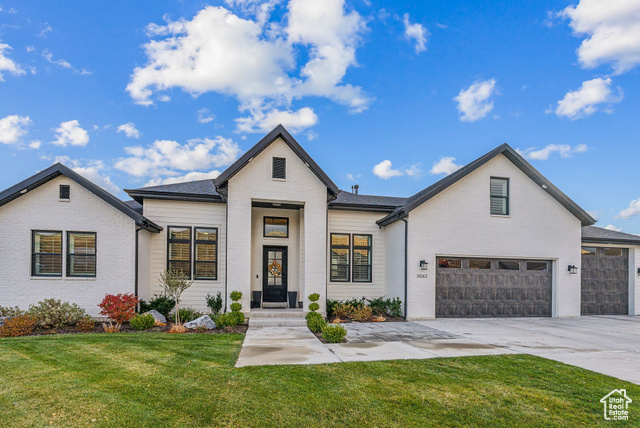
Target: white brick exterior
<point>41,209</point>
<point>457,222</point>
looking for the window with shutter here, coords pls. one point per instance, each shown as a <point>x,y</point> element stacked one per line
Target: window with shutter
<point>499,196</point>
<point>279,168</point>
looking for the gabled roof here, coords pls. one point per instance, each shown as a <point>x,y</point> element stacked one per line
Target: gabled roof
<point>599,235</point>
<point>279,131</point>
<point>506,150</point>
<point>134,205</point>
<point>46,175</point>
<point>199,191</point>
<point>351,201</point>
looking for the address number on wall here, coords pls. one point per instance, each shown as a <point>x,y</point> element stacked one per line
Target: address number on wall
<point>422,275</point>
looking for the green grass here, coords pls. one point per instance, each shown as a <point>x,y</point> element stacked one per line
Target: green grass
<point>189,380</point>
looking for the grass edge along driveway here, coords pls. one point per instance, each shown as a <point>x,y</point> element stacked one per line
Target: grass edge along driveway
<point>134,379</point>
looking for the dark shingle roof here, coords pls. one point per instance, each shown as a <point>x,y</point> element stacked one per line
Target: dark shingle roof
<point>134,206</point>
<point>504,149</point>
<point>350,201</point>
<point>201,190</point>
<point>605,236</point>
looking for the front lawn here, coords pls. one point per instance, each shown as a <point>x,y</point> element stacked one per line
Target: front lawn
<point>189,380</point>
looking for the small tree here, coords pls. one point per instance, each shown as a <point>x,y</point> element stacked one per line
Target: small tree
<point>174,282</point>
<point>119,307</point>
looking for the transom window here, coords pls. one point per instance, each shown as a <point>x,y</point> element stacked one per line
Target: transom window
<point>361,258</point>
<point>81,254</point>
<point>588,251</point>
<point>46,253</point>
<point>479,264</point>
<point>276,227</point>
<point>340,252</point>
<point>508,265</point>
<point>179,249</point>
<point>449,263</point>
<point>614,252</point>
<point>539,266</point>
<point>206,253</point>
<point>499,196</point>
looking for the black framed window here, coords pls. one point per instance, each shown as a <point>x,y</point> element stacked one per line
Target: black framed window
<point>65,191</point>
<point>499,196</point>
<point>205,265</point>
<point>279,170</point>
<point>276,227</point>
<point>81,254</point>
<point>340,257</point>
<point>179,249</point>
<point>46,253</point>
<point>361,269</point>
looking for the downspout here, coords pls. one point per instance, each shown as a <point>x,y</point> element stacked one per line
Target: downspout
<point>226,254</point>
<point>406,263</point>
<point>135,287</point>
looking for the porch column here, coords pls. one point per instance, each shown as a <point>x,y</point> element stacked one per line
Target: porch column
<point>239,249</point>
<point>315,251</point>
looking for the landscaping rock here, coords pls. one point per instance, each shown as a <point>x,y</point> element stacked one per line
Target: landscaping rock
<point>203,321</point>
<point>157,315</point>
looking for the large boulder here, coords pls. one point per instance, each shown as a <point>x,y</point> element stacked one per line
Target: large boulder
<point>157,315</point>
<point>203,321</point>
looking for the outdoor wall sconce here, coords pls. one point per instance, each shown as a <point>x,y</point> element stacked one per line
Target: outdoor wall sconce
<point>573,269</point>
<point>424,265</point>
<point>638,271</point>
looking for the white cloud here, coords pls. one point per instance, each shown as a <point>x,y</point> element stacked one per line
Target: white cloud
<point>564,150</point>
<point>414,171</point>
<point>260,121</point>
<point>474,103</point>
<point>446,165</point>
<point>129,130</point>
<point>165,158</point>
<point>35,144</point>
<point>92,170</point>
<point>584,101</point>
<point>385,171</point>
<point>255,60</point>
<point>204,116</point>
<point>353,177</point>
<point>12,128</point>
<point>70,133</point>
<point>49,57</point>
<point>416,32</point>
<point>631,211</point>
<point>612,31</point>
<point>47,29</point>
<point>191,176</point>
<point>8,65</point>
<point>593,214</point>
<point>612,227</point>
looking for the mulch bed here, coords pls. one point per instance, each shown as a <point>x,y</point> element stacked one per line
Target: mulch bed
<point>126,328</point>
<point>348,321</point>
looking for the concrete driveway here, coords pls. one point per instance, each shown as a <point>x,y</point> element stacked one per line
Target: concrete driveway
<point>604,344</point>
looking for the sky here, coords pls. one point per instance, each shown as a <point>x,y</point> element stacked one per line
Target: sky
<point>389,95</point>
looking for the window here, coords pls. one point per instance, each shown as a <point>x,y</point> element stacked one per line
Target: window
<point>65,191</point>
<point>588,251</point>
<point>46,253</point>
<point>340,247</point>
<point>539,266</point>
<point>508,265</point>
<point>81,254</point>
<point>206,254</point>
<point>499,196</point>
<point>279,170</point>
<point>479,264</point>
<point>179,249</point>
<point>450,263</point>
<point>276,227</point>
<point>361,258</point>
<point>614,252</point>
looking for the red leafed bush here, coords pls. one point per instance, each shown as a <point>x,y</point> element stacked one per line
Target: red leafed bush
<point>119,307</point>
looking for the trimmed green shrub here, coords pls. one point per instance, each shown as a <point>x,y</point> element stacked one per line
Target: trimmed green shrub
<point>223,320</point>
<point>214,303</point>
<point>314,297</point>
<point>316,324</point>
<point>142,322</point>
<point>334,333</point>
<point>162,304</point>
<point>236,296</point>
<point>235,307</point>
<point>378,305</point>
<point>394,307</point>
<point>53,313</point>
<point>314,306</point>
<point>312,315</point>
<point>237,317</point>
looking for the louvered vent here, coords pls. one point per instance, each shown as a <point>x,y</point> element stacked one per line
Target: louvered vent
<point>280,168</point>
<point>65,191</point>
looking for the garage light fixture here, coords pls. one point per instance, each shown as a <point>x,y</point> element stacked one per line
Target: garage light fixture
<point>424,265</point>
<point>573,269</point>
<point>638,271</point>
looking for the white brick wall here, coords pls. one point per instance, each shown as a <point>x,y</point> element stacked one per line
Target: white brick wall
<point>394,260</point>
<point>41,209</point>
<point>457,223</point>
<point>254,182</point>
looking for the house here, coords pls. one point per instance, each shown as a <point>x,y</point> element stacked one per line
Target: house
<point>493,239</point>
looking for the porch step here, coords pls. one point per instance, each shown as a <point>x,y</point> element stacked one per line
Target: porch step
<point>277,313</point>
<point>277,322</point>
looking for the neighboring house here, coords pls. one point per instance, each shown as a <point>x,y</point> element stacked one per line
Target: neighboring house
<point>494,238</point>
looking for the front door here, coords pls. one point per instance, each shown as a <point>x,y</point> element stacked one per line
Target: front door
<point>274,274</point>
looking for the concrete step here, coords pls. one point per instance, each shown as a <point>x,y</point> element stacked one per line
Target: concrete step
<point>277,313</point>
<point>277,322</point>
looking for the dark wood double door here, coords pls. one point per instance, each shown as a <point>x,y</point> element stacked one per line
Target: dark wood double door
<point>274,274</point>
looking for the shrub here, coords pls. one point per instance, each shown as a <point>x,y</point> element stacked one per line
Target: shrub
<point>223,320</point>
<point>86,325</point>
<point>394,307</point>
<point>342,311</point>
<point>188,314</point>
<point>355,303</point>
<point>235,307</point>
<point>21,325</point>
<point>316,324</point>
<point>331,306</point>
<point>162,304</point>
<point>215,303</point>
<point>177,329</point>
<point>314,306</point>
<point>52,313</point>
<point>119,307</point>
<point>379,305</point>
<point>314,297</point>
<point>11,311</point>
<point>142,322</point>
<point>361,313</point>
<point>236,296</point>
<point>237,318</point>
<point>334,333</point>
<point>111,328</point>
<point>312,315</point>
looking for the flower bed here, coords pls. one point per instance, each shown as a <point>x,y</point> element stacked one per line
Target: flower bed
<point>364,310</point>
<point>126,328</point>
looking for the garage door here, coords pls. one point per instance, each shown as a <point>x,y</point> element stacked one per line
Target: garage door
<point>493,288</point>
<point>605,281</point>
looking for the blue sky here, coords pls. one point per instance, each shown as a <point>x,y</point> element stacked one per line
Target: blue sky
<point>390,95</point>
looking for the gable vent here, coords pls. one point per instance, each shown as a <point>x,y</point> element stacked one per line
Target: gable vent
<point>280,168</point>
<point>65,191</point>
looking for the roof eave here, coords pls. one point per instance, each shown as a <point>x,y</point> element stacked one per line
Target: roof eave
<point>175,196</point>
